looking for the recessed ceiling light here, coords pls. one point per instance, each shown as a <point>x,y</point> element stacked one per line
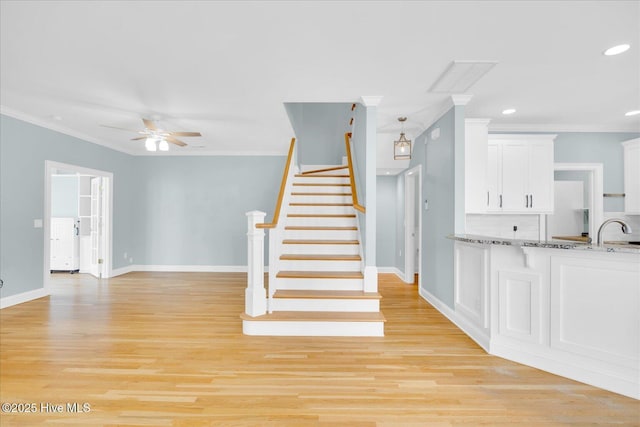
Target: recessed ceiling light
<point>616,50</point>
<point>388,172</point>
<point>632,113</point>
<point>508,111</point>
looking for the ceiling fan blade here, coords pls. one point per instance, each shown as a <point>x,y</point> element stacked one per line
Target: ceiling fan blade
<point>139,138</point>
<point>175,141</point>
<point>115,127</point>
<point>185,134</point>
<point>149,124</point>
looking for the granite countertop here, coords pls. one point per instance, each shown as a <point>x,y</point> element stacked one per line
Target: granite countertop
<point>551,244</point>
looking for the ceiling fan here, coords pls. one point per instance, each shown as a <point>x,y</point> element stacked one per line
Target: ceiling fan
<point>157,138</point>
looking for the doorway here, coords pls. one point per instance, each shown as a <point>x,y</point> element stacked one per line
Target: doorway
<point>412,225</point>
<point>590,175</point>
<point>89,220</point>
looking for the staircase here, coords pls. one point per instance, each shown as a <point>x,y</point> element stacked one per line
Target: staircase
<point>318,288</point>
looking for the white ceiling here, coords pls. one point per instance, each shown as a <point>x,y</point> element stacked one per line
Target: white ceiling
<point>226,68</point>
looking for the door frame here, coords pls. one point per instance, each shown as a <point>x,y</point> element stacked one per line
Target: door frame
<point>51,168</point>
<point>596,198</point>
<point>414,174</point>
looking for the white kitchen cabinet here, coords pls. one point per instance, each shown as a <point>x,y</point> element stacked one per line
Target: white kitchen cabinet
<point>64,244</point>
<point>631,150</point>
<point>520,173</point>
<point>476,134</point>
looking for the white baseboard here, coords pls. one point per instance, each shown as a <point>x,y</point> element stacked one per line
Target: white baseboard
<point>463,324</point>
<point>183,269</point>
<point>23,297</point>
<point>392,270</point>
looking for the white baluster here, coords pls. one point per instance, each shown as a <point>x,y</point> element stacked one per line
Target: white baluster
<point>255,297</point>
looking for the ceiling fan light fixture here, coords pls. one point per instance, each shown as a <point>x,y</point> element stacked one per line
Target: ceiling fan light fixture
<point>150,144</point>
<point>163,145</point>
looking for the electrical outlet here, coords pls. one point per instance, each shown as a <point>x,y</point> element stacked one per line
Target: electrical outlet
<point>131,260</point>
<point>515,228</point>
<point>125,255</point>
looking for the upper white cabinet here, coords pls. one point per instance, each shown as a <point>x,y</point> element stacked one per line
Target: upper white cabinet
<point>475,143</point>
<point>520,173</point>
<point>632,176</point>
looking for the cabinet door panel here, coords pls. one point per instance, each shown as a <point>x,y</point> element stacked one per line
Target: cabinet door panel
<point>514,163</point>
<point>540,180</point>
<point>494,177</point>
<point>632,177</point>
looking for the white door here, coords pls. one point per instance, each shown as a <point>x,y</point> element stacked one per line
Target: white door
<point>410,236</point>
<point>63,244</point>
<point>97,264</point>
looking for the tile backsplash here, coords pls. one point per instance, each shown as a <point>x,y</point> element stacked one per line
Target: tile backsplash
<point>614,231</point>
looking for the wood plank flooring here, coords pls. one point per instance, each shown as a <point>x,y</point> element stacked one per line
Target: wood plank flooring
<point>166,349</point>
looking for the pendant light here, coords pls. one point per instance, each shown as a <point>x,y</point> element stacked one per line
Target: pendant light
<point>402,147</point>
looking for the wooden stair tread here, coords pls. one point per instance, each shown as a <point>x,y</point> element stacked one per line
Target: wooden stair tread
<point>319,242</point>
<point>320,257</point>
<point>318,316</point>
<point>320,275</point>
<point>321,215</point>
<point>329,294</point>
<point>321,176</point>
<point>319,228</point>
<point>320,194</point>
<point>332,168</point>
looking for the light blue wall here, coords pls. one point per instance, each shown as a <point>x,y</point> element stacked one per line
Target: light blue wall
<point>175,210</point>
<point>64,196</point>
<point>191,209</point>
<point>597,147</point>
<point>439,183</point>
<point>23,150</point>
<point>386,224</point>
<point>320,129</point>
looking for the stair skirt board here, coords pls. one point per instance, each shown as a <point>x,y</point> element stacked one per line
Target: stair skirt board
<point>328,304</point>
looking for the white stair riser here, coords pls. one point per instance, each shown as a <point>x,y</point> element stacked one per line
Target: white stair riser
<point>321,189</point>
<point>321,234</point>
<point>320,199</point>
<point>305,265</point>
<point>313,329</point>
<point>321,249</point>
<point>342,210</point>
<point>314,304</point>
<point>321,284</point>
<point>321,222</point>
<point>323,180</point>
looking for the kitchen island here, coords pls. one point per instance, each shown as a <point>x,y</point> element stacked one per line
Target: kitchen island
<point>569,308</point>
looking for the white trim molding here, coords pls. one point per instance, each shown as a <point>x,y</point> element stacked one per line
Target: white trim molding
<point>460,99</point>
<point>371,101</point>
<point>23,297</point>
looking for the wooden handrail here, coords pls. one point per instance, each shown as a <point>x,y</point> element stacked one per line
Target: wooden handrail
<point>352,179</point>
<point>283,185</point>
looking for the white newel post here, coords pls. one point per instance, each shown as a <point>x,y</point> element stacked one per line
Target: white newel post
<point>255,296</point>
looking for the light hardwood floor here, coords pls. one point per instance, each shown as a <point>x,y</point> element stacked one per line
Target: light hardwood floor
<point>166,349</point>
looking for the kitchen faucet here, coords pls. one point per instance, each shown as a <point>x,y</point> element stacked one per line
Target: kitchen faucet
<point>626,229</point>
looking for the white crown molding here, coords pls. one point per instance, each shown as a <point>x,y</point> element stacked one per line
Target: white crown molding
<point>560,128</point>
<point>371,101</point>
<point>25,117</point>
<point>460,99</point>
